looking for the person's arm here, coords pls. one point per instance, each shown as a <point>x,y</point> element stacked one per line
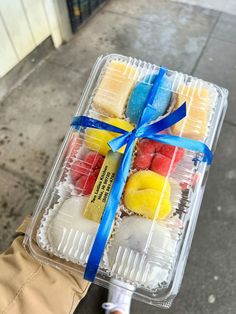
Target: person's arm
<point>27,286</point>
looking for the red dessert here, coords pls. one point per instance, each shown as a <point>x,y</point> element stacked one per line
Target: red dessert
<point>78,169</point>
<point>84,172</point>
<point>146,147</point>
<point>157,156</point>
<point>143,161</point>
<point>158,146</point>
<point>85,184</point>
<point>161,164</point>
<point>168,151</point>
<point>95,159</point>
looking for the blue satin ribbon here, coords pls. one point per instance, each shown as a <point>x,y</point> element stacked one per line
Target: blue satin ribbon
<point>143,130</point>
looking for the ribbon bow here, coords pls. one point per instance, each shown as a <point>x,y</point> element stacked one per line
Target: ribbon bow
<point>143,130</point>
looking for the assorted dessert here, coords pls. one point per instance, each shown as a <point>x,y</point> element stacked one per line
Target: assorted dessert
<point>142,247</point>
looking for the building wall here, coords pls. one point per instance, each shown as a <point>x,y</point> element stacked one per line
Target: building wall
<point>24,24</point>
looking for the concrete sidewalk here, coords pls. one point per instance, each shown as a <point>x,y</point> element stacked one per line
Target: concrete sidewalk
<point>35,116</point>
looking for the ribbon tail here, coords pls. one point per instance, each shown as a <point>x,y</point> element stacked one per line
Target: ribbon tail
<point>108,217</point>
<point>166,122</point>
<point>156,85</point>
<point>148,111</point>
<point>88,122</point>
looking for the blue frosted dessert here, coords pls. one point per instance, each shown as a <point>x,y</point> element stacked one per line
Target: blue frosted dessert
<point>140,93</point>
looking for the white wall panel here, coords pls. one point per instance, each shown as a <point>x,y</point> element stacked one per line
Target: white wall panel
<point>52,14</point>
<point>24,24</point>
<point>17,26</point>
<point>37,19</point>
<point>8,56</point>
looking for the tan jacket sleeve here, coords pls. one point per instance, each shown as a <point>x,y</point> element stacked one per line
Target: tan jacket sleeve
<point>28,287</point>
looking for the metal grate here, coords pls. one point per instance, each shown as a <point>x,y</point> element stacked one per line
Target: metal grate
<point>80,10</point>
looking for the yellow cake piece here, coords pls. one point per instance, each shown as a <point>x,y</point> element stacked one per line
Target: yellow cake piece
<point>113,91</point>
<point>194,125</point>
<point>97,139</point>
<point>147,192</point>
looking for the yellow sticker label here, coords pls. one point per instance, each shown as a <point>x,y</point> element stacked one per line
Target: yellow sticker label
<point>102,188</point>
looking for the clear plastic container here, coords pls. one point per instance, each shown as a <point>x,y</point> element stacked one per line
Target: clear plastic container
<point>146,249</point>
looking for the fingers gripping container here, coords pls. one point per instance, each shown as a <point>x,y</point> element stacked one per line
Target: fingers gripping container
<point>154,224</point>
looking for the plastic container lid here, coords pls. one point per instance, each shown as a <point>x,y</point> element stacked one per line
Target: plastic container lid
<point>148,247</point>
